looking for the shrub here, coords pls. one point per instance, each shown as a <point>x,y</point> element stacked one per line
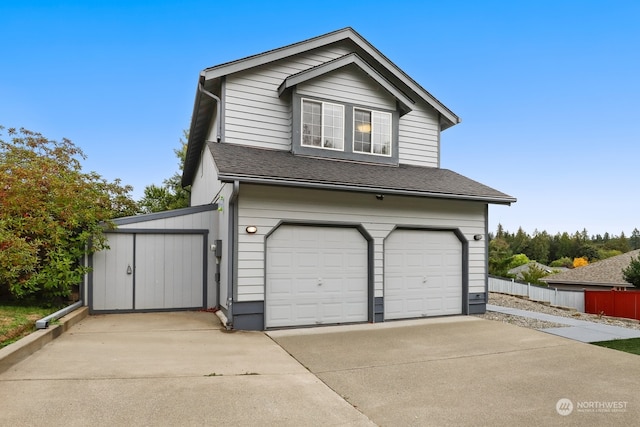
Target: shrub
<point>50,212</point>
<point>580,262</point>
<point>632,273</point>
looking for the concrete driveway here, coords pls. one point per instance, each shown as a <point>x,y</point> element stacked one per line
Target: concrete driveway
<point>174,369</point>
<point>468,371</point>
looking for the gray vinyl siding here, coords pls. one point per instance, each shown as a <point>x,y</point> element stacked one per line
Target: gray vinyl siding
<point>265,207</point>
<point>254,114</point>
<point>205,184</point>
<point>348,85</point>
<point>418,139</point>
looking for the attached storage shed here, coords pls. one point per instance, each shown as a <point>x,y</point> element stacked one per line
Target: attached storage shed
<point>156,262</point>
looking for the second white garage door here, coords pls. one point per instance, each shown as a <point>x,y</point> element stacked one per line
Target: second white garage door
<point>315,275</point>
<point>422,274</point>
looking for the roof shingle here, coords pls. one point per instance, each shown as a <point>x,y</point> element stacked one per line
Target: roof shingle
<point>249,164</point>
<point>605,272</point>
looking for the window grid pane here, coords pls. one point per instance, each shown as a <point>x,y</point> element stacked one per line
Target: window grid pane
<point>381,133</point>
<point>322,125</point>
<point>333,126</point>
<point>362,131</point>
<point>311,123</point>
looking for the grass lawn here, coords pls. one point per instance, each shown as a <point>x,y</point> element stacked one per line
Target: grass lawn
<point>632,345</point>
<point>18,321</point>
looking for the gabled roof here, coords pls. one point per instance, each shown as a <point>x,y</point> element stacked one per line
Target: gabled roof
<point>261,166</point>
<point>366,50</point>
<point>607,272</point>
<point>367,57</point>
<point>343,61</point>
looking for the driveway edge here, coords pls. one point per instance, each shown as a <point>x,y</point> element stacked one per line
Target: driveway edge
<point>25,347</point>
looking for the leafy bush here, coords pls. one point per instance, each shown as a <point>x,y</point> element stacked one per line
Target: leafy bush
<point>50,210</point>
<point>518,260</point>
<point>562,262</point>
<point>580,262</point>
<point>534,274</point>
<point>632,273</point>
<point>608,253</point>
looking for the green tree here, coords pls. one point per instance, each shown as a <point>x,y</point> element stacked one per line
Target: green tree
<point>499,255</point>
<point>620,243</point>
<point>50,211</point>
<point>634,240</point>
<point>534,274</point>
<point>539,247</point>
<point>171,195</point>
<point>632,273</point>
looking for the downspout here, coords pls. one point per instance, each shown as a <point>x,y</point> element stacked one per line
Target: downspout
<point>218,108</point>
<point>233,209</point>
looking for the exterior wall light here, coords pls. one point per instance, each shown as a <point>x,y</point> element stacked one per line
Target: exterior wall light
<point>477,237</point>
<point>380,196</point>
<point>251,229</point>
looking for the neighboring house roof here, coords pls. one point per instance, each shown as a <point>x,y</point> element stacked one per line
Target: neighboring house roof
<point>607,272</point>
<point>369,59</point>
<point>517,271</point>
<point>275,167</point>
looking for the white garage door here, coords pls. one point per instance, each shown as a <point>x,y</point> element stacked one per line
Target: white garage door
<point>422,274</point>
<point>148,272</point>
<point>315,275</point>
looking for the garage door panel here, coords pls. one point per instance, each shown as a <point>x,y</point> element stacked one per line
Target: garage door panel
<point>328,276</point>
<point>423,274</point>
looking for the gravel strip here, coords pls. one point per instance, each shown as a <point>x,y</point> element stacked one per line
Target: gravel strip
<point>525,304</point>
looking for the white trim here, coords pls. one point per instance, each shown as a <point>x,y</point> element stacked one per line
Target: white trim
<point>353,136</point>
<point>322,142</point>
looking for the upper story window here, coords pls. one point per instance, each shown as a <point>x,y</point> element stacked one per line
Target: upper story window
<point>343,130</point>
<point>371,132</point>
<point>322,124</point>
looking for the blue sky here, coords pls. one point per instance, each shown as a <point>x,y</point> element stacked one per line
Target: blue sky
<point>548,91</point>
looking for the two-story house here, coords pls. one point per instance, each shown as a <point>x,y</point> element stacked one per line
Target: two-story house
<point>323,158</point>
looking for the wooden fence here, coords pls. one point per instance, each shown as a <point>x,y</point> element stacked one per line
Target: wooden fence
<point>613,303</point>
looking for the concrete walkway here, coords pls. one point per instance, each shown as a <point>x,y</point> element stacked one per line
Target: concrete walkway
<point>579,330</point>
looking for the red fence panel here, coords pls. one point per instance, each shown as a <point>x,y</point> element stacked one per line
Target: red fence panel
<point>613,303</point>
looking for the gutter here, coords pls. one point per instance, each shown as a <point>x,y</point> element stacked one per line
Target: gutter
<point>351,187</point>
<point>44,322</point>
<point>233,239</point>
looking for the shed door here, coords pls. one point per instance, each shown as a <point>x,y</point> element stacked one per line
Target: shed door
<point>112,287</point>
<point>168,271</point>
<point>315,275</point>
<point>422,274</point>
<point>144,271</point>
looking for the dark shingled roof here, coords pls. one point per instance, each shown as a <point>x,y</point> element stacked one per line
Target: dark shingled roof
<point>606,272</point>
<point>249,164</point>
